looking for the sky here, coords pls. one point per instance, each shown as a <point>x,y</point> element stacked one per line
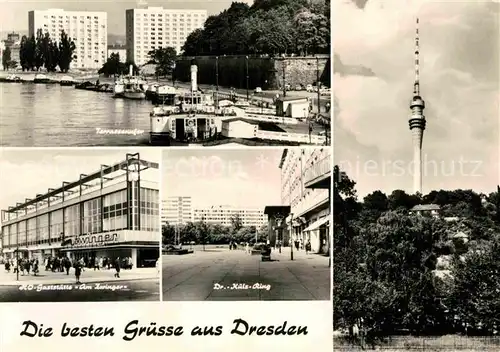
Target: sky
<point>459,81</point>
<point>249,177</point>
<point>28,172</point>
<point>14,13</point>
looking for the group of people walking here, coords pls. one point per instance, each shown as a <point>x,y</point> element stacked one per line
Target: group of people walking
<point>26,266</point>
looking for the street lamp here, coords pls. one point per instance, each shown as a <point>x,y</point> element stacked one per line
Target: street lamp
<point>17,255</point>
<point>291,238</point>
<point>217,82</point>
<point>284,78</point>
<point>246,64</point>
<point>318,84</point>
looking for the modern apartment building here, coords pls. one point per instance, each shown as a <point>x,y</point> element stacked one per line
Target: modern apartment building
<point>112,212</point>
<point>121,50</point>
<point>306,187</point>
<point>176,210</point>
<point>155,27</point>
<point>224,215</point>
<point>89,31</point>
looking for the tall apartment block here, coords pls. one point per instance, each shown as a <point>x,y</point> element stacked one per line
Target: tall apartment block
<point>155,27</point>
<point>176,210</point>
<point>89,31</point>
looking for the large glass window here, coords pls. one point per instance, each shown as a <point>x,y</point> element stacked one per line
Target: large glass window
<point>6,236</point>
<point>43,228</point>
<point>31,234</point>
<point>56,224</point>
<point>149,204</point>
<point>72,221</point>
<point>92,216</point>
<point>115,211</point>
<point>13,234</point>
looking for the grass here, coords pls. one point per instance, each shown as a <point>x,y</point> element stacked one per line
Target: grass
<point>414,343</point>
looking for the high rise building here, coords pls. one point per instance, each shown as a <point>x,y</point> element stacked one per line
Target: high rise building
<point>225,215</point>
<point>176,210</point>
<point>89,31</point>
<point>417,121</point>
<point>306,188</point>
<point>155,27</point>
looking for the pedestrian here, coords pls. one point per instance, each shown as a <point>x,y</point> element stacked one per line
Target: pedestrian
<point>247,248</point>
<point>117,267</point>
<point>67,265</point>
<point>35,266</point>
<point>101,262</point>
<point>308,246</point>
<point>157,267</point>
<point>27,266</point>
<point>7,266</point>
<point>78,270</point>
<point>297,245</point>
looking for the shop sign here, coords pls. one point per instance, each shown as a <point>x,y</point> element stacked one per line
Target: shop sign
<point>95,240</point>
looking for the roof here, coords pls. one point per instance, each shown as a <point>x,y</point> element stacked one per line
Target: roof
<point>291,98</point>
<point>424,207</point>
<point>252,122</point>
<point>277,209</point>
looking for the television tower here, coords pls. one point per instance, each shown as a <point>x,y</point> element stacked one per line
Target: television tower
<point>417,121</point>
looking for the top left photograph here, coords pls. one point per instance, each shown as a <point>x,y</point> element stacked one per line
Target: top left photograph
<point>251,73</point>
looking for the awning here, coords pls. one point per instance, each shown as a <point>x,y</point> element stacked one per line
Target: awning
<point>317,224</point>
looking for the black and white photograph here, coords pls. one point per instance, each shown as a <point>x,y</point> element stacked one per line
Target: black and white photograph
<point>246,225</point>
<point>79,225</point>
<point>125,73</point>
<point>416,176</point>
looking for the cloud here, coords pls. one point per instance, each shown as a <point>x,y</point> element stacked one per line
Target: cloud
<point>459,82</point>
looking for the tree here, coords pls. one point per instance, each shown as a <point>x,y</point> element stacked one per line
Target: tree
<point>168,234</point>
<point>67,48</point>
<point>476,286</point>
<point>236,223</point>
<point>164,59</point>
<point>6,58</point>
<point>113,66</point>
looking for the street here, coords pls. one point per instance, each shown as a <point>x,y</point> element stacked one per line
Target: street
<point>218,274</point>
<point>96,285</point>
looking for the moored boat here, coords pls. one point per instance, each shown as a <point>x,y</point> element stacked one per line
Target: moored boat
<point>134,93</point>
<point>67,81</point>
<point>13,79</point>
<point>41,78</point>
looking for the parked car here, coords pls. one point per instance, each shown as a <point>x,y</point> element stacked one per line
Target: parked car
<point>298,87</point>
<point>309,88</point>
<point>288,86</point>
<point>258,90</point>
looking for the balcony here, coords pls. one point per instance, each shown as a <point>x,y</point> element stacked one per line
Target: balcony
<point>319,174</point>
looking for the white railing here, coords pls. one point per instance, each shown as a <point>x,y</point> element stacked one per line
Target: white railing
<point>292,137</point>
<point>272,118</point>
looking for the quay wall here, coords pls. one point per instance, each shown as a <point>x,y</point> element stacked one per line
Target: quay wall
<point>263,72</point>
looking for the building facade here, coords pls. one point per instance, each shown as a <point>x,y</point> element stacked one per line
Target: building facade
<point>155,27</point>
<point>306,187</point>
<point>225,215</point>
<point>121,50</point>
<point>111,213</point>
<point>89,31</point>
<point>176,210</point>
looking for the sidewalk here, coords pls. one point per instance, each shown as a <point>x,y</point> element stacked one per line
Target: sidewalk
<point>88,276</point>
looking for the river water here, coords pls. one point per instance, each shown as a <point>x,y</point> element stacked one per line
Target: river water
<point>39,115</point>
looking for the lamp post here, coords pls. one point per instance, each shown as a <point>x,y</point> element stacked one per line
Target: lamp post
<point>318,84</point>
<point>216,82</point>
<point>284,77</point>
<point>17,255</point>
<point>291,238</point>
<point>246,65</point>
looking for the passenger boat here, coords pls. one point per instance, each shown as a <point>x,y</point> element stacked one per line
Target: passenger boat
<point>41,78</point>
<point>67,81</point>
<point>133,91</point>
<point>13,79</point>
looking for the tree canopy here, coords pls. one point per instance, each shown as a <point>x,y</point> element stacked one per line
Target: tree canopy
<point>164,59</point>
<point>44,51</point>
<point>268,27</point>
<point>386,262</point>
<point>202,232</point>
